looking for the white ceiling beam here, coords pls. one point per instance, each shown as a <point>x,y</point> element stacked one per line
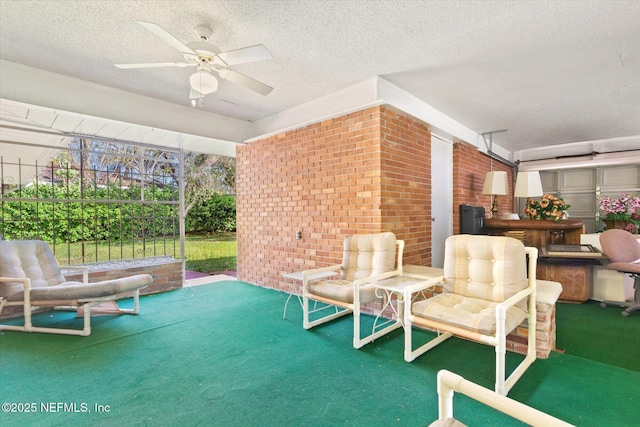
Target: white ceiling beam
<point>41,88</point>
<point>353,98</point>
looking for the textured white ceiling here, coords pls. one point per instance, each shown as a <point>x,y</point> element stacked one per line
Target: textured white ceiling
<point>549,72</point>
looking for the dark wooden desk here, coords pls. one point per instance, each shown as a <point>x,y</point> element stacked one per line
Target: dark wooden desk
<point>575,274</point>
<point>539,233</point>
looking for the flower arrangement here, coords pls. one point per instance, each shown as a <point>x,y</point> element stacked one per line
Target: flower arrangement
<point>623,209</point>
<point>549,207</point>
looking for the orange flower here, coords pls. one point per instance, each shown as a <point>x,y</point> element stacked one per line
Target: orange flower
<point>548,207</point>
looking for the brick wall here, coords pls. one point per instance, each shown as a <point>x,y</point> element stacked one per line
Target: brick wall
<point>363,172</point>
<point>545,332</point>
<point>406,183</point>
<point>470,167</point>
<point>166,273</point>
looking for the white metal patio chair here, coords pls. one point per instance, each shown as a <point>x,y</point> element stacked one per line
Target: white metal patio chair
<point>31,277</point>
<point>486,294</point>
<point>448,383</point>
<point>367,258</point>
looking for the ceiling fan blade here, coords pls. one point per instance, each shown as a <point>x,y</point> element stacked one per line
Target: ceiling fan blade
<point>166,36</point>
<point>155,65</point>
<point>246,54</point>
<point>245,81</point>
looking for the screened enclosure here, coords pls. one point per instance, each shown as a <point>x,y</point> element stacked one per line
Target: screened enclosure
<point>93,200</point>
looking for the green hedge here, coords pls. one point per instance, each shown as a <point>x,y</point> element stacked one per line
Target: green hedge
<point>55,216</point>
<point>216,214</point>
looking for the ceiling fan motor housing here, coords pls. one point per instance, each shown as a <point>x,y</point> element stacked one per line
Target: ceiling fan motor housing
<point>206,51</point>
<point>203,32</point>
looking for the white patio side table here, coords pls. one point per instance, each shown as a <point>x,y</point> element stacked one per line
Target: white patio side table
<point>414,281</point>
<point>296,278</point>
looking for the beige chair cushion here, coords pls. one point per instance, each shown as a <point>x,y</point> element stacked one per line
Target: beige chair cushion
<point>34,259</point>
<point>341,290</point>
<point>468,313</point>
<point>82,291</point>
<point>28,258</point>
<point>479,273</point>
<point>485,267</point>
<point>364,255</point>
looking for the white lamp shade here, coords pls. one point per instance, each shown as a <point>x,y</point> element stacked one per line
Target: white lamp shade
<point>203,82</point>
<point>528,184</point>
<point>496,183</point>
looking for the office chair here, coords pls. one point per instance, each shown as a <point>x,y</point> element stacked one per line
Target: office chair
<point>623,249</point>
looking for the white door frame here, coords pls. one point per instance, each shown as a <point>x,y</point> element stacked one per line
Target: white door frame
<point>441,196</point>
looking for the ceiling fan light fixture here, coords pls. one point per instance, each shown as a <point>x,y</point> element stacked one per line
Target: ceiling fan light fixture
<point>207,58</point>
<point>203,82</point>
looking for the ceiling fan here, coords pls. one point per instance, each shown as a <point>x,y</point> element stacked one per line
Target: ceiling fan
<point>208,58</point>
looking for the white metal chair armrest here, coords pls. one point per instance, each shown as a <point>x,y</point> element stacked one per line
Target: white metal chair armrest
<point>26,288</point>
<point>513,300</point>
<point>25,280</point>
<point>448,383</point>
<point>82,268</point>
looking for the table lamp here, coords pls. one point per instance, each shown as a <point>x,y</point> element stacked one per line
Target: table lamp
<point>528,184</point>
<point>495,184</point>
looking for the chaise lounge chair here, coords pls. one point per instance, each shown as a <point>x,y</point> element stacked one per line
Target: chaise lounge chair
<point>31,277</point>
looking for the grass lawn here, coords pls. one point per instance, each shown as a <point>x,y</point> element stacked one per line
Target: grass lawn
<point>207,253</point>
<point>211,253</point>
